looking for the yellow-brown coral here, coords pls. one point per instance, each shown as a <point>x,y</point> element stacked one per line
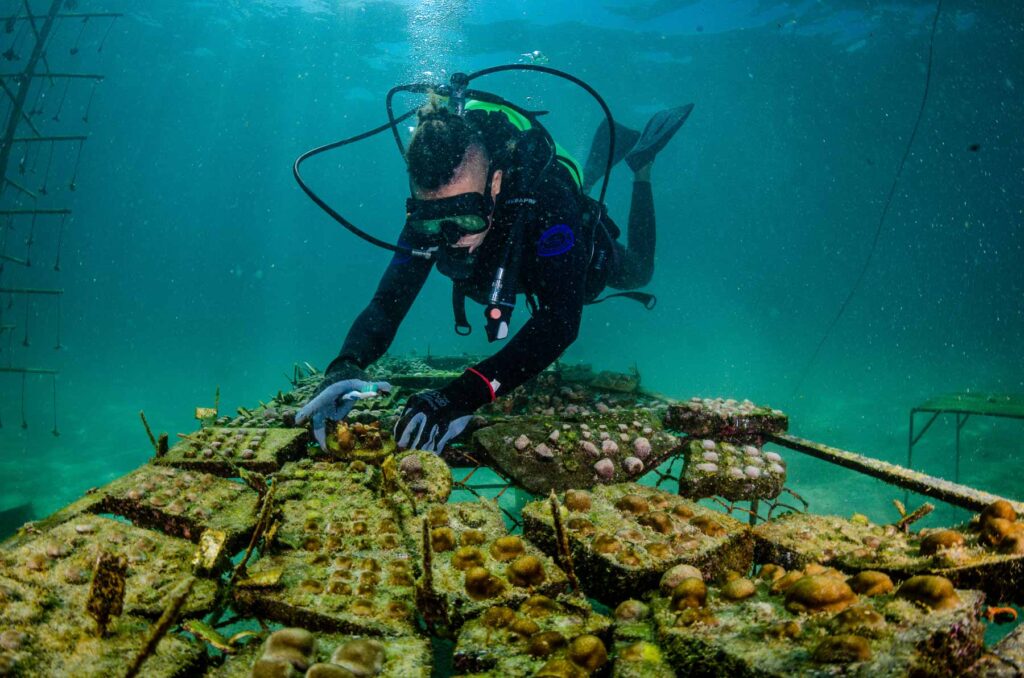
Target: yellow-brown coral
<point>545,643</point>
<point>498,617</point>
<point>605,543</point>
<point>933,591</point>
<point>442,539</point>
<point>560,668</point>
<point>524,627</point>
<point>738,589</point>
<point>588,652</point>
<point>709,526</point>
<point>870,583</point>
<point>466,557</point>
<point>526,571</point>
<point>581,526</point>
<point>771,572</point>
<point>940,540</point>
<point>819,593</point>
<point>506,548</point>
<point>296,646</point>
<point>631,610</point>
<point>657,521</point>
<point>472,538</point>
<point>689,593</point>
<point>633,503</point>
<point>859,620</point>
<point>998,509</point>
<point>785,581</point>
<point>481,584</point>
<point>577,500</point>
<point>842,649</point>
<point>674,576</point>
<point>538,606</point>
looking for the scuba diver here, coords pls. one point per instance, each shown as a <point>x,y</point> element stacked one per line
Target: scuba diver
<point>501,212</point>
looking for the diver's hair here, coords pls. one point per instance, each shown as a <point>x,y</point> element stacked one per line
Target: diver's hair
<point>439,146</point>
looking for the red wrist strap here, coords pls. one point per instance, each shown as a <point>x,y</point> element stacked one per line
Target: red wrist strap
<point>487,381</point>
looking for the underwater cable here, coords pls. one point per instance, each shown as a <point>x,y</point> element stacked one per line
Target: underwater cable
<point>457,89</point>
<point>885,212</point>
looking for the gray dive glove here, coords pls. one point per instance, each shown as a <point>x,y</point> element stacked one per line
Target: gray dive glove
<point>335,402</point>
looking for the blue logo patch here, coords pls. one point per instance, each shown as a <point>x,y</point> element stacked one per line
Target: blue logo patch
<point>558,239</point>
<point>401,256</point>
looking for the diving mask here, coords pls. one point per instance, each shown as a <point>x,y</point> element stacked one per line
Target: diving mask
<point>449,218</point>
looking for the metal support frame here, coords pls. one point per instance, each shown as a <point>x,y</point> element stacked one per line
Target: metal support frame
<point>963,414</point>
<point>476,489</point>
<point>908,479</point>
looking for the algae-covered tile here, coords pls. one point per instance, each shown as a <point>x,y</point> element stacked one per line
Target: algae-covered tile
<point>476,564</point>
<point>1004,660</point>
<point>544,453</point>
<point>181,503</point>
<point>71,650</point>
<point>733,471</point>
<point>426,475</point>
<point>635,649</point>
<point>222,451</point>
<point>623,537</point>
<point>795,540</point>
<point>24,610</point>
<point>816,622</point>
<point>387,657</point>
<point>344,593</point>
<point>21,603</point>
<point>725,418</point>
<point>42,633</point>
<point>979,557</point>
<point>350,573</point>
<point>62,562</point>
<point>520,640</point>
<point>320,501</point>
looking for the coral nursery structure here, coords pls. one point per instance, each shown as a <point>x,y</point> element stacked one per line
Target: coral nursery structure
<point>246,550</point>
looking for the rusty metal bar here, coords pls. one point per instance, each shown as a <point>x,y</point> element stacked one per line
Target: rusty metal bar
<point>66,137</point>
<point>24,116</point>
<point>16,212</point>
<point>73,15</point>
<point>29,290</point>
<point>18,105</point>
<point>26,370</point>
<point>937,488</point>
<point>21,188</point>
<point>72,76</point>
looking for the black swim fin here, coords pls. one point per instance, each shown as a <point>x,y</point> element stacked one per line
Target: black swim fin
<point>659,130</point>
<point>597,160</point>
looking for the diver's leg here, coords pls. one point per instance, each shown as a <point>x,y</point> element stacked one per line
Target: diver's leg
<point>597,159</point>
<point>634,263</point>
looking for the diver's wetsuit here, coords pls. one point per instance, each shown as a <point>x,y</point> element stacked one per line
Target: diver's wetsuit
<point>557,268</point>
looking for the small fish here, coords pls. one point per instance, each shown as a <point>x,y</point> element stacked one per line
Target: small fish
<point>974,148</point>
<point>535,57</point>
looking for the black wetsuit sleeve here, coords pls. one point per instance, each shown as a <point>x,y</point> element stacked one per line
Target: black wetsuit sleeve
<point>374,329</point>
<point>558,279</point>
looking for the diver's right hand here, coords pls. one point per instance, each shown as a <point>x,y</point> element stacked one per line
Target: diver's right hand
<point>335,402</point>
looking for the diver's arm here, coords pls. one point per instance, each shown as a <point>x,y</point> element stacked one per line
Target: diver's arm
<point>560,282</point>
<point>374,329</point>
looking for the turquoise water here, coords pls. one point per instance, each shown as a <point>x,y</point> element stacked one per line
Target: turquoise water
<point>193,261</point>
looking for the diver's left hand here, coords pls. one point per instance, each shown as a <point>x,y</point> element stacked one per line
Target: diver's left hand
<point>429,421</point>
<point>335,402</point>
